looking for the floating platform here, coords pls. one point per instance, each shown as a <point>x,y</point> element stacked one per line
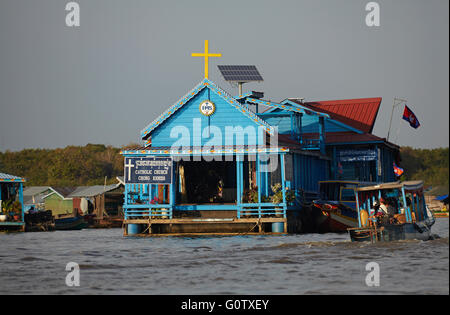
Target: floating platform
<point>12,226</point>
<point>204,226</point>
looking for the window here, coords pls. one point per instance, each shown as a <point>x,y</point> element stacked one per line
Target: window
<point>348,194</point>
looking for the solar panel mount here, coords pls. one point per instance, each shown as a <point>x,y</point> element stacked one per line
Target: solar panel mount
<point>240,73</point>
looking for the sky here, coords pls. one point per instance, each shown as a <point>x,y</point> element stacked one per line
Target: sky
<point>128,61</point>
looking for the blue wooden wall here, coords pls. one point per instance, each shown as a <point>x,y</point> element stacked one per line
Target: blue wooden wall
<point>308,171</point>
<point>310,124</point>
<point>224,115</point>
<point>387,160</point>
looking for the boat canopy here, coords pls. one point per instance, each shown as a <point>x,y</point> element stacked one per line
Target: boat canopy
<point>407,185</point>
<point>359,183</point>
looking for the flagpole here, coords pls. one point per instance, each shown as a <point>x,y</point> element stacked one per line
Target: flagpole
<point>397,101</point>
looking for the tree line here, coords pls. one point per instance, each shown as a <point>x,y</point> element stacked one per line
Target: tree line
<point>429,165</point>
<point>90,164</point>
<point>69,166</point>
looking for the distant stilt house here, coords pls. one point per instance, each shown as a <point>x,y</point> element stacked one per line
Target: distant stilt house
<point>59,201</point>
<point>33,197</point>
<point>103,202</point>
<point>11,203</point>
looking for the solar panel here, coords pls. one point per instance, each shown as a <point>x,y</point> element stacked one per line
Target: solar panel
<point>240,73</point>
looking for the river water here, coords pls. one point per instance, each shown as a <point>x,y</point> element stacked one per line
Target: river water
<point>35,263</point>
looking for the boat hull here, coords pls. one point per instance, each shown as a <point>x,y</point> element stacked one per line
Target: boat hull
<point>73,223</point>
<point>335,221</point>
<point>391,232</point>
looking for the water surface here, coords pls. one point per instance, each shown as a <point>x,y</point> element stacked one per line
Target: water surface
<point>34,263</point>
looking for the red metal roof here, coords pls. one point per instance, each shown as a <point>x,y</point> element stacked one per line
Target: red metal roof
<point>358,113</point>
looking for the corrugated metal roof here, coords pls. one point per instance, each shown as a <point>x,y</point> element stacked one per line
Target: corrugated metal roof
<point>63,191</point>
<point>35,199</point>
<point>349,137</point>
<point>408,185</point>
<point>121,180</point>
<point>91,191</point>
<point>34,194</point>
<point>10,178</point>
<point>34,190</point>
<point>358,113</point>
<point>344,137</point>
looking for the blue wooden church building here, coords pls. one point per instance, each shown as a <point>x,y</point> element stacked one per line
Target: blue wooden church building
<point>212,164</point>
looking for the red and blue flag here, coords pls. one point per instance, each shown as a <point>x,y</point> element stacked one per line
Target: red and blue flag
<point>398,171</point>
<point>410,117</point>
<point>340,168</point>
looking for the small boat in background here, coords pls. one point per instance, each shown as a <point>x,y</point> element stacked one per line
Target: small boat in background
<point>70,223</point>
<point>335,210</point>
<point>408,216</point>
<point>39,221</point>
<point>440,214</point>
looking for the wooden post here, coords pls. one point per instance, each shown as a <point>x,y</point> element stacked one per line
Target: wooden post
<point>125,202</point>
<point>322,134</point>
<point>300,128</point>
<point>357,208</point>
<point>238,185</point>
<point>258,183</point>
<point>292,125</point>
<point>283,183</point>
<point>407,209</point>
<point>21,200</point>
<point>172,190</point>
<point>418,208</point>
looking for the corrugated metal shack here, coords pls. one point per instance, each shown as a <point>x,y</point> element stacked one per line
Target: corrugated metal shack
<point>104,203</point>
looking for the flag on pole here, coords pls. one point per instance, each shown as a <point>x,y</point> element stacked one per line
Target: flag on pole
<point>410,117</point>
<point>398,171</point>
<point>340,168</point>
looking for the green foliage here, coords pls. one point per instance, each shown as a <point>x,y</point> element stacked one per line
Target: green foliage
<point>70,166</point>
<point>250,195</point>
<point>16,207</point>
<point>88,165</point>
<point>431,166</point>
<point>277,196</point>
<point>6,206</point>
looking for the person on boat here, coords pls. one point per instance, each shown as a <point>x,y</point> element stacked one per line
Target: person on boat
<point>388,211</point>
<point>403,208</point>
<point>378,213</point>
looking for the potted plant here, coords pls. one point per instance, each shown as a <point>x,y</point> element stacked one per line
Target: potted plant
<point>6,211</point>
<point>3,216</point>
<point>163,211</point>
<point>277,196</point>
<point>16,208</point>
<point>250,195</point>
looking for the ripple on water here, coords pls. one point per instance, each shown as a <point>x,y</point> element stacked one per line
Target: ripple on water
<point>292,264</point>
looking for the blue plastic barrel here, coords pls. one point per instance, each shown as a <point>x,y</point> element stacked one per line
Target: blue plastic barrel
<point>133,229</point>
<point>278,227</point>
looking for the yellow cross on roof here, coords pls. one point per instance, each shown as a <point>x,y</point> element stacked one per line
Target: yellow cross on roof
<point>206,54</point>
